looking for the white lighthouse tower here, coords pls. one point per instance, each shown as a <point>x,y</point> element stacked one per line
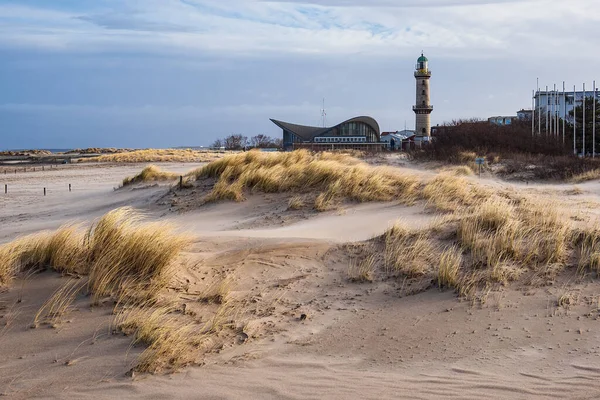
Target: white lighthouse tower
<point>422,108</point>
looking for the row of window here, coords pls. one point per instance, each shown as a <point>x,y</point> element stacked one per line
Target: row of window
<point>556,99</point>
<point>340,139</point>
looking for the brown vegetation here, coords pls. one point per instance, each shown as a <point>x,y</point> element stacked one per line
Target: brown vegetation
<point>510,151</point>
<point>158,155</point>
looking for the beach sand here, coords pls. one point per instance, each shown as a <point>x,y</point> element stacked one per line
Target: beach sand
<point>357,341</point>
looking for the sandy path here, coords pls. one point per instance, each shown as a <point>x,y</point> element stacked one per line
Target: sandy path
<point>25,209</point>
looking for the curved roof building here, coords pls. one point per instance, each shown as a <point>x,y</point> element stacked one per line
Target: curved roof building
<point>358,130</point>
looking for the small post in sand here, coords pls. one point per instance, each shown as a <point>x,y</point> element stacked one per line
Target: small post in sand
<point>479,161</point>
<point>69,187</point>
<point>5,188</point>
<point>180,182</point>
<point>44,191</point>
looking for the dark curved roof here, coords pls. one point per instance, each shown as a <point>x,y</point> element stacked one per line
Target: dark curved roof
<point>310,132</point>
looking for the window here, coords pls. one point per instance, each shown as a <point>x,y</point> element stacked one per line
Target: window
<point>423,92</point>
<point>423,130</point>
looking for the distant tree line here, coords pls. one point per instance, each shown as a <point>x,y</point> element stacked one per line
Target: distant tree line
<point>241,142</point>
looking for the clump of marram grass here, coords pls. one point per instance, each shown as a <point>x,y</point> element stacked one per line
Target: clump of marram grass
<point>493,241</point>
<point>447,192</point>
<point>460,170</point>
<point>588,243</point>
<point>449,267</point>
<point>151,173</point>
<point>123,249</point>
<point>170,339</point>
<point>64,250</point>
<point>59,304</point>
<point>118,250</point>
<point>586,176</point>
<point>295,203</point>
<point>407,252</point>
<point>10,256</point>
<point>159,155</point>
<point>568,299</point>
<point>528,233</point>
<point>362,270</point>
<point>334,176</point>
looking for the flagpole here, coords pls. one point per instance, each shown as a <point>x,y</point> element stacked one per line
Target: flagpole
<point>532,113</point>
<point>594,123</point>
<point>583,126</point>
<point>552,114</point>
<point>565,112</point>
<point>539,101</point>
<point>554,111</point>
<point>556,108</point>
<point>547,110</point>
<point>574,119</point>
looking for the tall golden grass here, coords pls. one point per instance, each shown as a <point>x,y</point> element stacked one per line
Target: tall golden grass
<point>159,155</point>
<point>125,252</point>
<point>586,176</point>
<point>119,251</point>
<point>333,176</point>
<point>488,239</point>
<point>170,339</point>
<point>407,252</point>
<point>123,257</point>
<point>151,173</point>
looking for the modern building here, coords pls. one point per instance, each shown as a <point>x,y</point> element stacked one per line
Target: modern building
<point>555,103</point>
<point>422,108</point>
<point>361,133</point>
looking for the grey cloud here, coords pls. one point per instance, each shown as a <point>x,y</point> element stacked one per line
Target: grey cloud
<point>401,3</point>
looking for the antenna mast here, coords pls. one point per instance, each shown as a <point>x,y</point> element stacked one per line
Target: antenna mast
<point>323,114</point>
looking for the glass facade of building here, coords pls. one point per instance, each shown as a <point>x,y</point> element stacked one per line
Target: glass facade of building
<point>354,129</point>
<point>289,138</point>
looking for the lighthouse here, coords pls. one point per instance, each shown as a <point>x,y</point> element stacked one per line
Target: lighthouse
<point>422,108</point>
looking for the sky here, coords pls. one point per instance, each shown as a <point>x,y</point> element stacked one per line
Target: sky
<point>162,73</point>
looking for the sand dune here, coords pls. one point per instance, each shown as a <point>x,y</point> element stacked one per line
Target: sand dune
<point>360,341</point>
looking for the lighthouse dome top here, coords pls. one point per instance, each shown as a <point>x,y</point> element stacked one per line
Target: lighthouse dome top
<point>422,58</point>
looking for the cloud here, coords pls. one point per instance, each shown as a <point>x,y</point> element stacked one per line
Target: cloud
<point>246,28</point>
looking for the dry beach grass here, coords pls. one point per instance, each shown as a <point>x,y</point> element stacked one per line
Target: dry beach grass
<point>158,155</point>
